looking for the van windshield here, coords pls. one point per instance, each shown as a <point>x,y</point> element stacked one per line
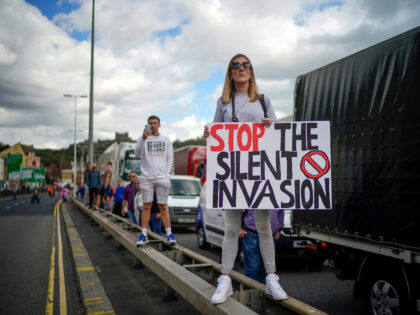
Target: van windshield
<point>131,165</point>
<point>184,187</point>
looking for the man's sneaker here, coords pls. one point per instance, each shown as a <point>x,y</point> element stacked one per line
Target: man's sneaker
<point>223,290</point>
<point>170,239</point>
<point>273,287</point>
<point>143,240</point>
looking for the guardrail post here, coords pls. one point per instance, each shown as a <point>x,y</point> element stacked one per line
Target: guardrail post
<point>170,294</point>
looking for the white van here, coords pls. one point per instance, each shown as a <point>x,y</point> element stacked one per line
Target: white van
<point>183,199</point>
<point>210,224</point>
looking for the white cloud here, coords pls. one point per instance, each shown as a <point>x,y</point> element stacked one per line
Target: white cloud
<point>7,56</point>
<point>150,54</point>
<point>189,127</point>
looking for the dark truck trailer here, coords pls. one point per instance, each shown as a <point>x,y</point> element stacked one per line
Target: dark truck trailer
<point>372,233</point>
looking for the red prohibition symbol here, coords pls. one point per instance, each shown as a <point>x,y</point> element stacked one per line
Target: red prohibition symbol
<point>319,170</point>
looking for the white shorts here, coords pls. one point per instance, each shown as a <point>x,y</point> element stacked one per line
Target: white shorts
<point>148,187</point>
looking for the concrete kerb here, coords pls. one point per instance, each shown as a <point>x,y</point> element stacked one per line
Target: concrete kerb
<point>92,292</point>
<point>189,286</point>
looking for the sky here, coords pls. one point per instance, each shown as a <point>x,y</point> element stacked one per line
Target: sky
<point>166,58</point>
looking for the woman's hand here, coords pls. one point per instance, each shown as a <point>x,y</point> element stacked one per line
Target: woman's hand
<point>266,122</point>
<point>206,132</point>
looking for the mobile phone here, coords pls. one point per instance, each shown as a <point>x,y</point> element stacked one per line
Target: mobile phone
<point>147,127</point>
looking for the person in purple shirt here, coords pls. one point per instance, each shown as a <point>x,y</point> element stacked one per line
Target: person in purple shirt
<point>253,260</point>
<point>129,195</point>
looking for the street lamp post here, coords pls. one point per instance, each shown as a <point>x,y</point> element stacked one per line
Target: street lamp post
<point>74,148</point>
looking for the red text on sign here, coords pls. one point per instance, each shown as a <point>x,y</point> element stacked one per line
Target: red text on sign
<point>236,133</point>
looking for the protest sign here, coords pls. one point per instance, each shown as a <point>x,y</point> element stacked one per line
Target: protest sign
<point>286,166</point>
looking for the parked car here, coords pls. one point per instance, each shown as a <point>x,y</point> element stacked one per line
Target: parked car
<point>183,200</point>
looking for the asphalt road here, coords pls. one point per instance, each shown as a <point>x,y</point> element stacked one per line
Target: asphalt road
<point>25,250</point>
<point>320,289</point>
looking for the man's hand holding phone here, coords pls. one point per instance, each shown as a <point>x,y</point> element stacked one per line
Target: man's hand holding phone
<point>147,131</point>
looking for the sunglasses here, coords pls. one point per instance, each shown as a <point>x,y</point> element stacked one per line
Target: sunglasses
<point>237,65</point>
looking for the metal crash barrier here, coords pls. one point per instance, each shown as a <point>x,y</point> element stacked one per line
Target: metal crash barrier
<point>191,275</point>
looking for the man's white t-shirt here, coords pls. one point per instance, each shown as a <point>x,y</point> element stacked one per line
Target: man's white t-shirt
<point>157,157</point>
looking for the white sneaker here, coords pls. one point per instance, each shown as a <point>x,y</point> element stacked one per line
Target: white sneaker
<point>223,290</point>
<point>273,287</point>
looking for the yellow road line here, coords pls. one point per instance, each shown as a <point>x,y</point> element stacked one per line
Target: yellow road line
<point>50,293</point>
<point>49,309</point>
<point>63,300</point>
<point>93,299</point>
<point>85,269</point>
<point>101,312</point>
<point>87,284</point>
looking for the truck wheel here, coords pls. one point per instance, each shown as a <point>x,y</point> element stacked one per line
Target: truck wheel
<point>386,294</point>
<point>201,238</point>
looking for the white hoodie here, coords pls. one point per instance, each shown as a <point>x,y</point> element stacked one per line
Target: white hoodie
<point>157,157</point>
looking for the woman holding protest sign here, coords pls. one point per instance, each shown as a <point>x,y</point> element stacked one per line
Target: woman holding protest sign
<point>241,102</point>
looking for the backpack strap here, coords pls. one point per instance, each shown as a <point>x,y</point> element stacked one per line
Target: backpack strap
<point>262,102</point>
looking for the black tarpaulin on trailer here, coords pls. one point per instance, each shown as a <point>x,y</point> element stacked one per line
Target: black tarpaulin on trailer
<point>372,99</point>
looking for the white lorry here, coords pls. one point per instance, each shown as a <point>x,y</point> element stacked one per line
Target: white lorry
<point>123,159</point>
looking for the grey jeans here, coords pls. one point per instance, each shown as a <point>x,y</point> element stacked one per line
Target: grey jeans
<point>230,240</point>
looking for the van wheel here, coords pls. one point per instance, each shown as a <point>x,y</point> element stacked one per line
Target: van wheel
<point>386,294</point>
<point>201,238</point>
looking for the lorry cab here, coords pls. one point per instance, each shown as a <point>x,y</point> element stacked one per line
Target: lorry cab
<point>184,195</point>
<point>123,159</point>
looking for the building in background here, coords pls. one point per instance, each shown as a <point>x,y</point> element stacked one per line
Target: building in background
<point>66,177</point>
<point>18,148</point>
<point>33,162</point>
<point>21,166</point>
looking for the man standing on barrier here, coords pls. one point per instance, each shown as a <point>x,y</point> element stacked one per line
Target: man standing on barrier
<point>93,180</point>
<point>105,193</point>
<point>157,157</point>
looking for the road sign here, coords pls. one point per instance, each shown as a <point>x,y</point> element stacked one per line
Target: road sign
<point>33,175</point>
<point>14,166</point>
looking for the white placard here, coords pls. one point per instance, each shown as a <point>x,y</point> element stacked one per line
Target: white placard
<point>286,166</point>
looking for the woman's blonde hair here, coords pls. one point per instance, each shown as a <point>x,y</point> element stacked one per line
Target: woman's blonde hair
<point>229,87</point>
